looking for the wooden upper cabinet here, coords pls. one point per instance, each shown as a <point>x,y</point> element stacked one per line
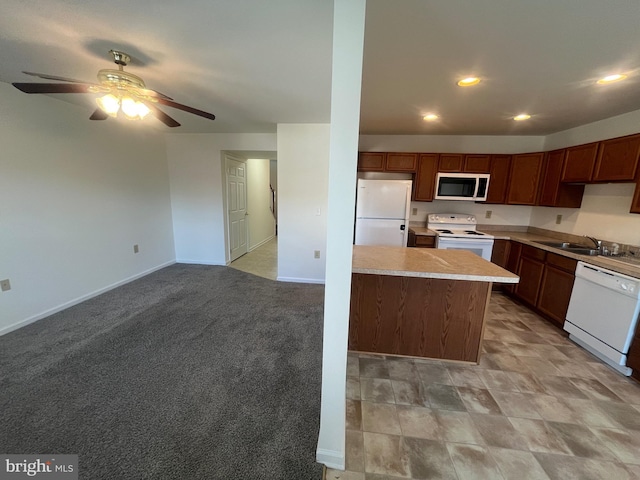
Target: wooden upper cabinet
<point>617,159</point>
<point>635,203</point>
<point>524,175</point>
<point>499,179</point>
<point>552,192</point>
<point>401,162</point>
<point>450,162</point>
<point>371,161</point>
<point>425,179</point>
<point>477,163</point>
<point>579,163</point>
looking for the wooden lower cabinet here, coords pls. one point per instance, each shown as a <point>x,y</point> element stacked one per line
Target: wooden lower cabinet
<point>546,281</point>
<point>512,263</point>
<point>633,358</point>
<point>555,293</point>
<point>530,272</point>
<point>422,241</point>
<point>500,252</point>
<point>416,316</point>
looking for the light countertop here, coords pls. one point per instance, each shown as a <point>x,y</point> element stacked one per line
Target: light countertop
<point>531,238</point>
<point>597,260</point>
<point>428,263</point>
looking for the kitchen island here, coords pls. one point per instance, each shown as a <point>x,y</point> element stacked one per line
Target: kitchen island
<point>420,302</point>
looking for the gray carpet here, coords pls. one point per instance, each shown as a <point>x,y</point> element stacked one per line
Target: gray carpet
<point>192,372</point>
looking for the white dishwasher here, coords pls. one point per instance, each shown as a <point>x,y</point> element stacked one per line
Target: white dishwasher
<point>603,313</point>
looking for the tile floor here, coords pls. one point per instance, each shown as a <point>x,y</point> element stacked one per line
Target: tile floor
<point>536,407</point>
<point>263,261</point>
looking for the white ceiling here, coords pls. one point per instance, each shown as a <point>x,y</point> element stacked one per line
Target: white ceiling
<point>255,64</point>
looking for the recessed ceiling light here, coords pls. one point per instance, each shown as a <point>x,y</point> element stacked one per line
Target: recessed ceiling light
<point>467,82</point>
<point>430,117</point>
<point>521,117</point>
<point>611,78</point>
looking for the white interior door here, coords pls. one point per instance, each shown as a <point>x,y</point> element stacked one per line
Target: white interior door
<point>237,207</point>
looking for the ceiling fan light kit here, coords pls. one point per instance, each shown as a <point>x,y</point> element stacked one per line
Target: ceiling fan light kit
<point>119,90</point>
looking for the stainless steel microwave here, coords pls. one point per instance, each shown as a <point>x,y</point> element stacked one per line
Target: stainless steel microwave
<point>462,186</point>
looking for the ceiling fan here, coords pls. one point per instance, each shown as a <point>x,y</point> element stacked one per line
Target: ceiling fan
<point>122,91</point>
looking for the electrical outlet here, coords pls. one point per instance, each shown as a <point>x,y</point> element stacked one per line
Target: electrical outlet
<point>558,219</point>
<point>487,214</point>
<point>136,249</point>
<point>5,285</point>
<point>316,254</point>
<point>414,211</point>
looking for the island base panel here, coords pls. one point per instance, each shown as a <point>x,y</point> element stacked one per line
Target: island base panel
<point>415,316</point>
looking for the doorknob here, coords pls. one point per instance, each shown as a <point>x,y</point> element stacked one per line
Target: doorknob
<point>246,213</point>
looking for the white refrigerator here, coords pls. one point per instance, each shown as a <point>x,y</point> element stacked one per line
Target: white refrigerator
<point>382,212</point>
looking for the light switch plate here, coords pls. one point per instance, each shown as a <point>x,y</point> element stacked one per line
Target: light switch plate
<point>5,285</point>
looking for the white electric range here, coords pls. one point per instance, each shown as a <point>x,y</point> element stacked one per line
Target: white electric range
<point>457,231</point>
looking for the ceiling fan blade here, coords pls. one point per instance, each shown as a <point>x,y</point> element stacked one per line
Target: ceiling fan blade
<point>153,93</point>
<point>53,87</point>
<point>179,106</point>
<point>53,77</point>
<point>99,114</point>
<point>163,117</point>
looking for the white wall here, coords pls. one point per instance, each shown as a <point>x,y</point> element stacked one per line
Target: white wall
<point>604,214</point>
<point>618,126</point>
<point>197,191</point>
<point>500,214</point>
<point>303,167</point>
<point>75,196</point>
<point>605,208</point>
<point>262,225</point>
<point>451,143</point>
<point>348,43</point>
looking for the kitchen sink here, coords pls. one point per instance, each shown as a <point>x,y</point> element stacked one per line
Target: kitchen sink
<point>572,247</point>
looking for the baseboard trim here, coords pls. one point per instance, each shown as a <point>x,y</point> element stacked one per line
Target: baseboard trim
<point>301,280</point>
<point>75,301</point>
<point>189,261</point>
<point>262,243</point>
<point>331,458</point>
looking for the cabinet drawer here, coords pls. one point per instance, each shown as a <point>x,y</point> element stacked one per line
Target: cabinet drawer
<point>533,253</point>
<point>425,241</point>
<point>564,263</point>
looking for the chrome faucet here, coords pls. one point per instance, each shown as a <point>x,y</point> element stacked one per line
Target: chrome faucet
<point>596,242</point>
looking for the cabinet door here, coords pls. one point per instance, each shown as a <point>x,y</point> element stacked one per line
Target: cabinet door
<point>635,203</point>
<point>450,162</point>
<point>426,177</point>
<point>401,162</point>
<point>579,163</point>
<point>524,178</point>
<point>477,163</point>
<point>555,293</point>
<point>633,358</point>
<point>552,192</point>
<point>499,180</point>
<point>617,159</point>
<point>500,252</point>
<point>530,273</point>
<point>371,161</point>
<point>512,263</point>
<point>425,241</point>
